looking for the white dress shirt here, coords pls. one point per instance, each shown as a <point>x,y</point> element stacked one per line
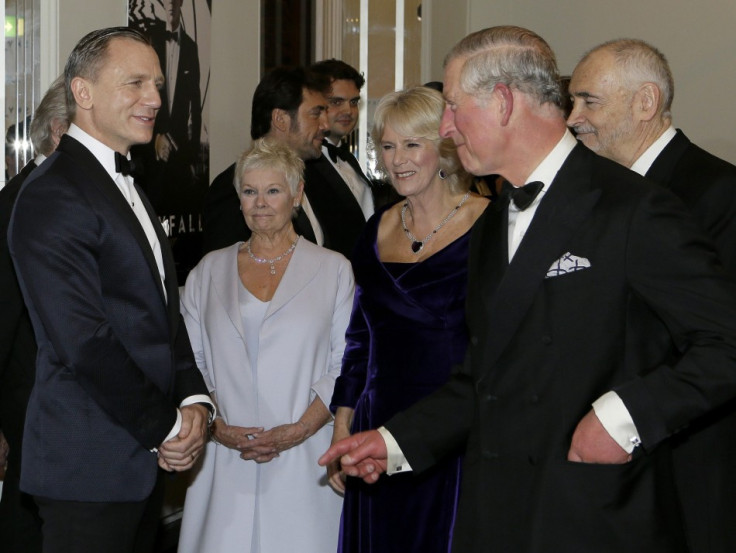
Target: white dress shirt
<point>646,159</point>
<point>360,189</point>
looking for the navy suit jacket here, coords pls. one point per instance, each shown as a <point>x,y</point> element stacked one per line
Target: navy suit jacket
<point>114,359</point>
<point>543,347</point>
<point>704,456</point>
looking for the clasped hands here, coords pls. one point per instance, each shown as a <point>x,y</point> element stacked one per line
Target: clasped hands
<point>259,445</point>
<point>179,453</point>
<point>364,455</point>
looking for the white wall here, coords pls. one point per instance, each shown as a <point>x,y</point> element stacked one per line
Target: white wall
<point>698,39</point>
<point>235,66</point>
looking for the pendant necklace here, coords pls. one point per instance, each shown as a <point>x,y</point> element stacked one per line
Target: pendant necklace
<point>418,245</point>
<point>273,261</point>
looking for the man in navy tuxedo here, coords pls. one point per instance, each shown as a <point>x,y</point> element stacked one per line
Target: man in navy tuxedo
<point>622,92</point>
<point>600,323</point>
<point>117,392</point>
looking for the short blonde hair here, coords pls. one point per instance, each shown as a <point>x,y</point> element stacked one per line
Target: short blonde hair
<point>267,153</point>
<point>417,112</point>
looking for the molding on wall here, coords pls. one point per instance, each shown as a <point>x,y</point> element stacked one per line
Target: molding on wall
<point>329,16</point>
<point>49,43</point>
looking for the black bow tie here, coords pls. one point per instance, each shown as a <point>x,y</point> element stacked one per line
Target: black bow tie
<point>127,166</point>
<point>523,196</point>
<point>172,35</point>
<point>337,152</point>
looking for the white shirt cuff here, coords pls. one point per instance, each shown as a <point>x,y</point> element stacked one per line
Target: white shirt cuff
<point>615,418</point>
<point>191,400</point>
<point>395,460</point>
<point>201,398</point>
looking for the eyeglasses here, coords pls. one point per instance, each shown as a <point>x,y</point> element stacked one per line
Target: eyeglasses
<point>335,101</point>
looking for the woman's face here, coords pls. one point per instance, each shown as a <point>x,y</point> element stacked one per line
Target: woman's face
<point>266,200</point>
<point>412,163</point>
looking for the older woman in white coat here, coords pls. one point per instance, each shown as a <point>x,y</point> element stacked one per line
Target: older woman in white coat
<point>267,322</point>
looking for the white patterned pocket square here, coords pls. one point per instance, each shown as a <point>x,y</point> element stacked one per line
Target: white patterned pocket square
<point>568,263</point>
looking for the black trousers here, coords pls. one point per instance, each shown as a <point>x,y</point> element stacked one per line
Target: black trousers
<point>20,525</point>
<point>91,527</point>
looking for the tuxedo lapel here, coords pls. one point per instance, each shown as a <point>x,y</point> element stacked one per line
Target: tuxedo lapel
<point>96,173</point>
<point>170,281</point>
<point>560,213</point>
<point>330,187</point>
<point>663,169</point>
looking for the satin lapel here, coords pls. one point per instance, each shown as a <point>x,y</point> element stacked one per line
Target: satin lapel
<point>560,213</point>
<point>330,191</point>
<point>170,280</point>
<point>97,174</point>
<point>663,168</point>
<point>302,268</point>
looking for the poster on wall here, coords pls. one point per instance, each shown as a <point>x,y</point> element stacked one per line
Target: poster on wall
<point>175,165</point>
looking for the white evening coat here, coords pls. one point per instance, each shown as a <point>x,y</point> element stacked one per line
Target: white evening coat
<point>302,339</point>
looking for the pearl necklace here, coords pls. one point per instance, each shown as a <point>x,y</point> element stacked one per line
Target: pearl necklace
<point>273,261</point>
<point>418,245</point>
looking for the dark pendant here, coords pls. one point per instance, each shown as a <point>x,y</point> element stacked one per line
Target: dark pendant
<point>416,246</point>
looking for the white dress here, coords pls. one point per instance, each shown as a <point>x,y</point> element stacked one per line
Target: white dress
<point>286,504</point>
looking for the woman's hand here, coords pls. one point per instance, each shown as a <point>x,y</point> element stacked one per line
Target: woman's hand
<point>343,423</point>
<point>234,437</point>
<point>267,445</point>
<point>335,476</point>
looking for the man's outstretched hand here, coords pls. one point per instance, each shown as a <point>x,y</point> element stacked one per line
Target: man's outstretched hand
<point>361,455</point>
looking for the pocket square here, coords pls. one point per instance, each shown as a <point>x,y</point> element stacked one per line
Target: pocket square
<point>568,263</point>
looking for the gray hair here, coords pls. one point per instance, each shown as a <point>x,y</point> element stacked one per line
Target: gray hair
<point>514,56</point>
<point>51,108</point>
<point>417,112</point>
<point>639,62</point>
<point>88,56</point>
<point>267,153</point>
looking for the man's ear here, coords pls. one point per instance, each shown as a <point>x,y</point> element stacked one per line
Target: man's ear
<point>58,127</point>
<point>505,99</point>
<point>280,119</point>
<point>646,102</point>
<point>82,92</point>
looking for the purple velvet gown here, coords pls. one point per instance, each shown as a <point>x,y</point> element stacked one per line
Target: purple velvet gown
<point>406,332</point>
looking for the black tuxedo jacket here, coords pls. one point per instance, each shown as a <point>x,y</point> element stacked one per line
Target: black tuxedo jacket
<point>336,208</point>
<point>20,527</point>
<point>707,185</point>
<point>114,359</point>
<point>543,346</point>
<point>17,344</point>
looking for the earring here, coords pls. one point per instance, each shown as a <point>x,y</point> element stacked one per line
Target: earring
<point>442,174</point>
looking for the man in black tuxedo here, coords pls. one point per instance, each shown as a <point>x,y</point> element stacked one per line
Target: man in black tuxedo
<point>170,158</point>
<point>622,92</point>
<point>117,393</point>
<point>600,321</point>
<point>340,194</point>
<point>289,105</point>
<point>20,526</point>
